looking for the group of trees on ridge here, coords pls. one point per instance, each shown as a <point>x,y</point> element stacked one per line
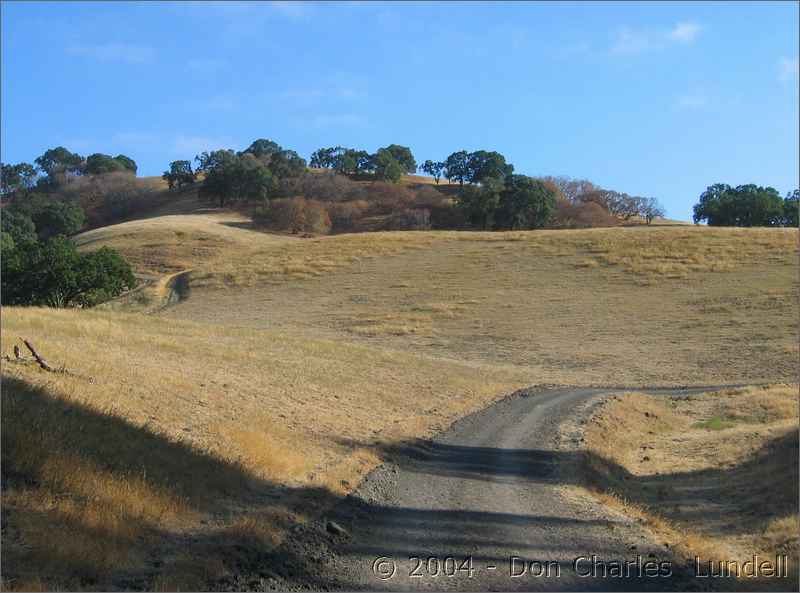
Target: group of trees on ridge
<point>340,189</point>
<point>489,195</point>
<point>389,163</point>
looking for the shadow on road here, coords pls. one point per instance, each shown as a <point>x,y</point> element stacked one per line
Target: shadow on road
<point>93,501</point>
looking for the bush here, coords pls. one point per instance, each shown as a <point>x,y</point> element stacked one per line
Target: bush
<point>18,227</point>
<point>54,274</point>
<point>428,197</point>
<point>297,215</point>
<point>410,219</point>
<point>580,215</point>
<point>345,215</point>
<point>50,215</point>
<point>448,216</point>
<point>324,187</point>
<point>110,198</point>
<point>525,203</point>
<point>386,198</point>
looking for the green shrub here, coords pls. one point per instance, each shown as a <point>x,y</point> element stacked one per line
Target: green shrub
<point>52,273</point>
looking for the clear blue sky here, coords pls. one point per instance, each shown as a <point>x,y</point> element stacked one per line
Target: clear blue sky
<point>651,99</point>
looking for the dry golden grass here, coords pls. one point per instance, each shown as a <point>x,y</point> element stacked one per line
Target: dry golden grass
<point>222,251</point>
<point>681,252</point>
<point>714,490</point>
<point>217,422</point>
<point>527,299</point>
<point>187,428</point>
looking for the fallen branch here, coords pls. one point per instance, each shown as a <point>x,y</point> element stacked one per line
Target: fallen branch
<point>42,362</point>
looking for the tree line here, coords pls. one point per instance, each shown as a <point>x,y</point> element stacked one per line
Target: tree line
<point>45,201</point>
<point>490,194</point>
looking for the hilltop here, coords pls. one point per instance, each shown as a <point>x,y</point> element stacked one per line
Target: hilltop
<point>259,372</point>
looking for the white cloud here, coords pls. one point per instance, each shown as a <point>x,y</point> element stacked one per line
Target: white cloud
<point>114,52</point>
<point>788,69</point>
<point>685,32</point>
<point>628,41</point>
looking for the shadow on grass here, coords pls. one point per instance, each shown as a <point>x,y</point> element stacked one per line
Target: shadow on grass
<point>91,501</point>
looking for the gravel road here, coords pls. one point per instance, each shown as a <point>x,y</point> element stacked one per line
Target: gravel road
<point>483,507</point>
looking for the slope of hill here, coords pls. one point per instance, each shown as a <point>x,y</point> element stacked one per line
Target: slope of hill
<point>243,400</point>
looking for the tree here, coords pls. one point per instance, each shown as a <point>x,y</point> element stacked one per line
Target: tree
<point>103,275</point>
<point>402,154</point>
<point>14,178</point>
<point>791,204</point>
<point>58,163</point>
<point>571,189</point>
<point>745,205</point>
<point>232,178</point>
<point>650,208</point>
<point>345,161</point>
<point>98,164</point>
<point>324,158</point>
<point>365,162</point>
<point>51,217</point>
<point>54,274</point>
<point>180,173</point>
<point>457,166</point>
<point>286,163</point>
<point>58,218</point>
<point>128,164</point>
<point>262,148</point>
<point>483,165</point>
<point>480,203</point>
<point>434,169</point>
<point>525,203</point>
<point>18,227</point>
<point>617,203</point>
<point>349,161</point>
<point>387,166</point>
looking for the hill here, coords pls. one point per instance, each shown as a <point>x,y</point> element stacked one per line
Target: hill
<point>265,391</point>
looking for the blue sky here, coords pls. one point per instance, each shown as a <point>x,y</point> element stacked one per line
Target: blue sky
<point>656,99</point>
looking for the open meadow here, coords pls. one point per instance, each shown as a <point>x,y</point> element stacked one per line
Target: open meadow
<point>229,415</point>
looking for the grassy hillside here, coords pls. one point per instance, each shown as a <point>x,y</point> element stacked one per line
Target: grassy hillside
<point>221,420</point>
<point>714,473</point>
<point>676,304</point>
<point>169,430</point>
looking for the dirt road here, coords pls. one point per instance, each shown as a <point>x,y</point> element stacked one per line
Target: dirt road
<point>482,507</point>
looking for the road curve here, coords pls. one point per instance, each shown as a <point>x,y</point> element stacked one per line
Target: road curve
<point>481,494</point>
